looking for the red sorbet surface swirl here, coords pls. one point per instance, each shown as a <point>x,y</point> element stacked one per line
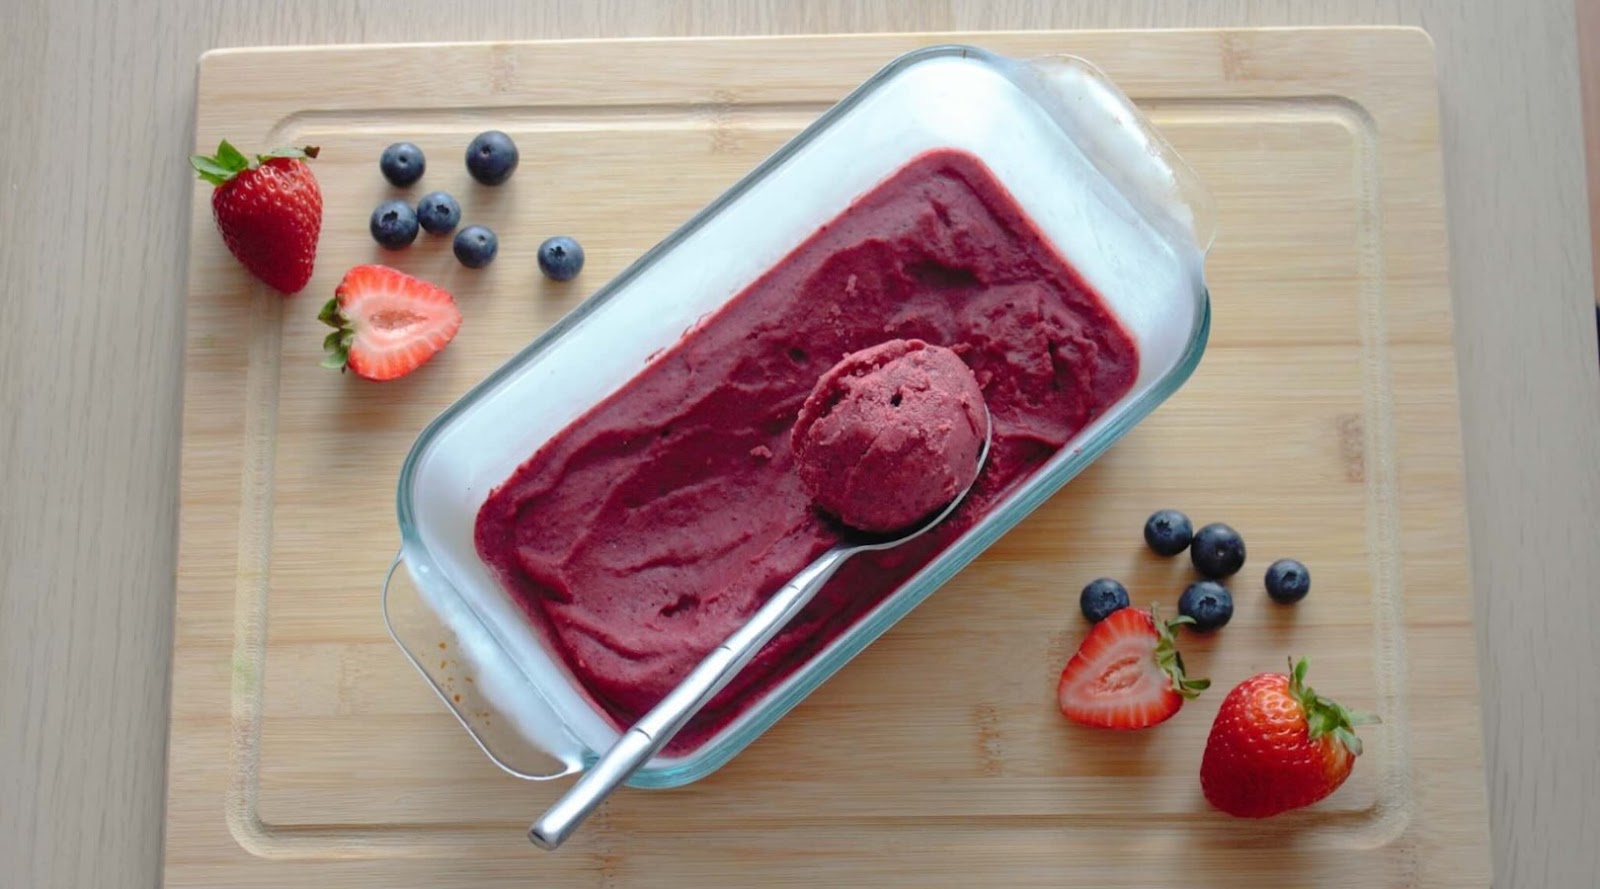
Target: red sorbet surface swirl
<point>648,530</point>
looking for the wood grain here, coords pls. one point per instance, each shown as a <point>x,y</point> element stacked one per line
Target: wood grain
<point>90,326</point>
<point>297,717</point>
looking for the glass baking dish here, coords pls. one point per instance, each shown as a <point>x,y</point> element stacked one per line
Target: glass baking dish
<point>1089,170</point>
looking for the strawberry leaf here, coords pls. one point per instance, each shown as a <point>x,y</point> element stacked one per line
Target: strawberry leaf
<point>330,313</point>
<point>231,157</point>
<point>217,170</point>
<point>209,169</point>
<point>1348,739</point>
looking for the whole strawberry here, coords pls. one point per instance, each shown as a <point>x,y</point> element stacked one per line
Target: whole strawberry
<point>269,211</point>
<point>1277,745</point>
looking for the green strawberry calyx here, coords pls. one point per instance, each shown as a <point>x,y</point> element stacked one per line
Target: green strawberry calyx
<point>229,162</point>
<point>1325,716</point>
<point>1170,660</point>
<point>337,343</point>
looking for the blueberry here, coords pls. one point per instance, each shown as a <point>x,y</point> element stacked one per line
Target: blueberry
<point>492,157</point>
<point>1168,532</point>
<point>560,258</point>
<point>1288,581</point>
<point>1217,551</point>
<point>438,212</point>
<point>1209,603</point>
<point>402,163</point>
<point>393,224</point>
<point>476,246</point>
<point>1101,597</point>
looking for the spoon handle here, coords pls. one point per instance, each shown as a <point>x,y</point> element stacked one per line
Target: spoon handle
<point>657,727</point>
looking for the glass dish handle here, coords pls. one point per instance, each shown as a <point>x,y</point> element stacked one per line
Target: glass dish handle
<point>430,633</point>
<point>1125,146</point>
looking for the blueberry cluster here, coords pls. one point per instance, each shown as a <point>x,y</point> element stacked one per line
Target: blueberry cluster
<point>491,158</point>
<point>1217,552</point>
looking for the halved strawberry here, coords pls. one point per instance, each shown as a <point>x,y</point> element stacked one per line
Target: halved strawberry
<point>1127,673</point>
<point>387,323</point>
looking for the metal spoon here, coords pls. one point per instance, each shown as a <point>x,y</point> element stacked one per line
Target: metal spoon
<point>667,718</point>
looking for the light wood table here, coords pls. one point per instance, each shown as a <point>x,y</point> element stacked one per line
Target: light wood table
<point>95,124</point>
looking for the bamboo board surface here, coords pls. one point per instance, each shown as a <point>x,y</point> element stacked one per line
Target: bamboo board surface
<point>1322,422</point>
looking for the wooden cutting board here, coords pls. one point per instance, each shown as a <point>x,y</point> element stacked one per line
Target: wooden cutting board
<point>1323,423</point>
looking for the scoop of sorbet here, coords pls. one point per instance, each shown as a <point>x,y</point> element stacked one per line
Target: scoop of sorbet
<point>890,435</point>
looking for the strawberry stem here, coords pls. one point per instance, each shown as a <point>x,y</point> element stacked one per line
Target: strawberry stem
<point>1325,716</point>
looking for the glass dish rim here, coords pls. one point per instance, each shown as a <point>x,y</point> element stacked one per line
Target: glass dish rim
<point>980,537</point>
